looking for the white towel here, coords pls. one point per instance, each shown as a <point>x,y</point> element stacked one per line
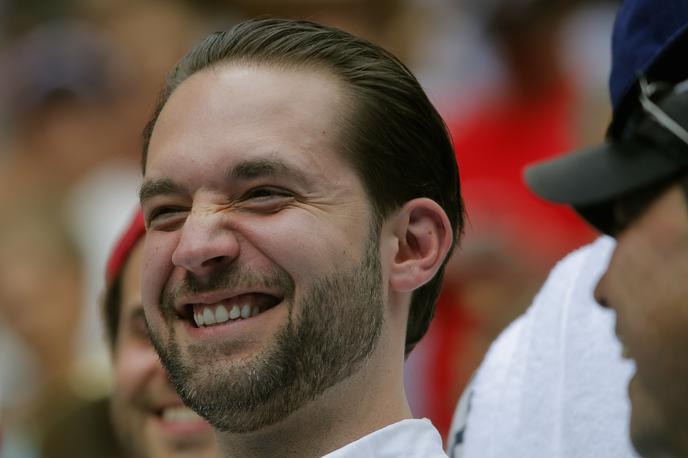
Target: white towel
<point>553,384</point>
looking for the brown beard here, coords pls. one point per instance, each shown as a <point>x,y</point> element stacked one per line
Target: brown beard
<point>337,329</point>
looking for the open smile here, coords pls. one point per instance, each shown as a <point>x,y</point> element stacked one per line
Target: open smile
<point>177,414</point>
<point>232,309</point>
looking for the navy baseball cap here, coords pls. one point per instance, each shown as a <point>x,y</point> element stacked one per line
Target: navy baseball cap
<point>644,142</point>
<point>649,38</point>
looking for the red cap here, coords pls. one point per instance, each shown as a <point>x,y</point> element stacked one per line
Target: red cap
<point>125,244</point>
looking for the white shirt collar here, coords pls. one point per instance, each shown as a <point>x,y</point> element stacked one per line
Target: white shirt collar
<point>405,439</point>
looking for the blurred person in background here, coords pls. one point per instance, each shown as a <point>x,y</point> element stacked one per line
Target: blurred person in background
<point>52,92</point>
<point>528,110</point>
<point>635,188</point>
<point>531,115</point>
<point>69,142</point>
<point>148,417</point>
<point>58,85</point>
<point>71,90</point>
<point>394,24</point>
<point>143,417</point>
<point>40,309</point>
<point>58,82</point>
<point>553,384</point>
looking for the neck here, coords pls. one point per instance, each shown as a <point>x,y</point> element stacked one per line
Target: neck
<point>365,402</point>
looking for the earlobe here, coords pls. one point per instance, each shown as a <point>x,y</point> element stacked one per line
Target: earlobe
<point>424,238</point>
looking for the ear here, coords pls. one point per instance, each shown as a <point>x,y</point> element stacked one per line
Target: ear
<point>424,237</point>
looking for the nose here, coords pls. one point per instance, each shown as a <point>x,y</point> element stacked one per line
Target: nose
<point>599,292</point>
<point>206,242</point>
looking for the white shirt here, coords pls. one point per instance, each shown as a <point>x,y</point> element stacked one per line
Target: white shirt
<point>405,439</point>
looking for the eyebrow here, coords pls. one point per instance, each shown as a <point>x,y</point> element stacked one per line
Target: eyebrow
<point>157,187</point>
<point>243,171</point>
<point>258,168</point>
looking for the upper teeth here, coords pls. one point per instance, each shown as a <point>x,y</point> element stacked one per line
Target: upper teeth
<point>206,315</point>
<point>180,414</point>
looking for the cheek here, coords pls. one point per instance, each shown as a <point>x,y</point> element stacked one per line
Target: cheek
<point>322,245</point>
<point>648,300</point>
<point>660,325</point>
<point>630,277</point>
<point>133,369</point>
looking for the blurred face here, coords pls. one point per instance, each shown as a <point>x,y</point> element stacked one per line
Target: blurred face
<point>40,290</point>
<point>148,415</point>
<point>647,285</point>
<point>262,281</point>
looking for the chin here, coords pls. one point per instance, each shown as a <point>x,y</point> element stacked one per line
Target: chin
<point>650,432</point>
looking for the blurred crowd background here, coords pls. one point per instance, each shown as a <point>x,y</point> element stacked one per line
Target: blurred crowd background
<point>516,80</point>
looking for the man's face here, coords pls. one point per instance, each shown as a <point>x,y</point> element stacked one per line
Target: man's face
<point>148,415</point>
<point>262,280</point>
<point>647,285</point>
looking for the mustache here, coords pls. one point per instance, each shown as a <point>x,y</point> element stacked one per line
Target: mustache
<point>228,277</point>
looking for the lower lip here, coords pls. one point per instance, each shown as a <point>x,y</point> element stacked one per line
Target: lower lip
<point>177,428</point>
<point>240,326</point>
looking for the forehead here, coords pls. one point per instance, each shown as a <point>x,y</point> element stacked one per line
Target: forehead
<point>235,111</point>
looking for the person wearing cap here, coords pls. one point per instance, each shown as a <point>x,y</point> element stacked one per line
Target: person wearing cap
<point>148,417</point>
<point>301,198</point>
<point>635,188</point>
<point>553,383</point>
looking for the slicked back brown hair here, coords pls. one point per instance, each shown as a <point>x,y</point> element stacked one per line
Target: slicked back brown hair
<point>393,137</point>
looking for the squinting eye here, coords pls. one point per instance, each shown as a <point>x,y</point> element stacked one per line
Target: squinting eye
<point>165,215</point>
<point>267,193</point>
<point>160,211</point>
<point>266,199</point>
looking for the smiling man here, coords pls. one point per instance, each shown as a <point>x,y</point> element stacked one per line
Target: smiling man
<point>301,198</point>
<point>635,187</point>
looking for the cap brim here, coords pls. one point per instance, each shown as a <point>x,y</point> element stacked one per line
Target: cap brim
<point>597,175</point>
